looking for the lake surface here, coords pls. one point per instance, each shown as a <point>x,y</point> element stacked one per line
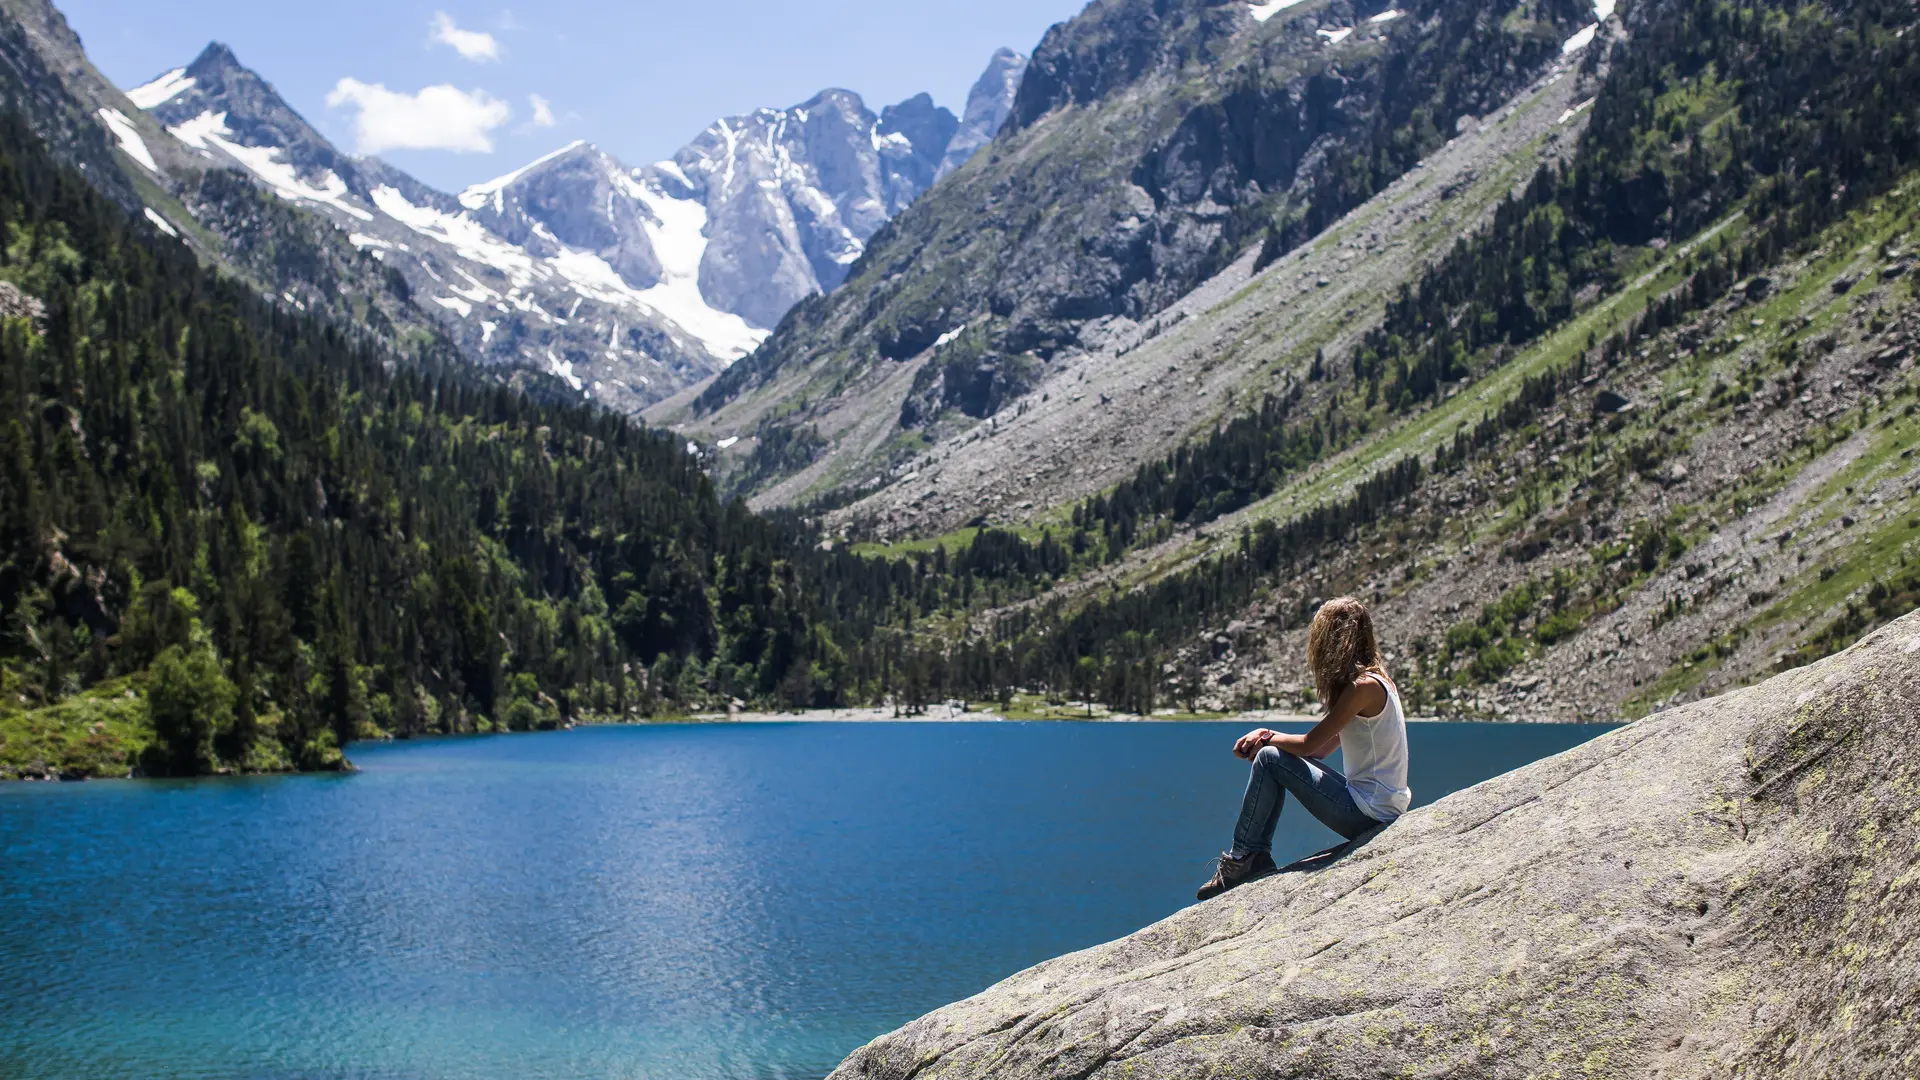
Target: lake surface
<point>656,903</point>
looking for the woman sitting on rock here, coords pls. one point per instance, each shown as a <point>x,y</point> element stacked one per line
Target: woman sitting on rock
<point>1363,718</point>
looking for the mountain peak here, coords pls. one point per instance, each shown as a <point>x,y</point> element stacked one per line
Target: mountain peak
<point>988,105</point>
<point>217,57</point>
<point>832,97</point>
<point>928,128</point>
<point>475,197</point>
<point>209,74</point>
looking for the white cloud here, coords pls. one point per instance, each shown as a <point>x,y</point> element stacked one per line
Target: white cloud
<point>476,45</point>
<point>437,118</point>
<point>542,111</point>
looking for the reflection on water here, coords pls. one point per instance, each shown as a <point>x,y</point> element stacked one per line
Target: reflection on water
<point>671,903</point>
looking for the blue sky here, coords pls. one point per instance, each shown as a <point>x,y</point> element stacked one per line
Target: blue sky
<point>638,78</point>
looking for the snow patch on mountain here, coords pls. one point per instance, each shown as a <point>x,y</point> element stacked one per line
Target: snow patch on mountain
<point>209,131</point>
<point>467,237</point>
<point>680,242</point>
<point>564,369</point>
<point>1602,11</point>
<point>1263,12</point>
<point>950,336</point>
<point>672,168</point>
<point>1575,111</point>
<point>129,138</point>
<point>161,223</point>
<point>161,90</point>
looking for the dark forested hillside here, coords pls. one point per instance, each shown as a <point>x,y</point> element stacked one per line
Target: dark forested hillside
<point>286,538</point>
<point>234,537</point>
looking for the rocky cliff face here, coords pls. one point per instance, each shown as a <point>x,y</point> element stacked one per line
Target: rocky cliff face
<point>1726,889</point>
<point>795,194</point>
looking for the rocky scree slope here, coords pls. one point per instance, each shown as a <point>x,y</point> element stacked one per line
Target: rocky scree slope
<point>1149,145</point>
<point>1139,388</point>
<point>1724,889</point>
<point>625,283</point>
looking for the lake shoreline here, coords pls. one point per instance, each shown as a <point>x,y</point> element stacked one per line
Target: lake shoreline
<point>987,716</point>
<point>876,715</point>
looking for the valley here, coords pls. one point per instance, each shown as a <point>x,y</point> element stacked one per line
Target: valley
<point>1524,329</point>
<point>874,527</point>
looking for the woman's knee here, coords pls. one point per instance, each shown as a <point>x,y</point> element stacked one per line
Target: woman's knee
<point>1280,765</point>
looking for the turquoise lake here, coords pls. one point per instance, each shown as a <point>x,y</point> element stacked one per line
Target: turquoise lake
<point>720,902</point>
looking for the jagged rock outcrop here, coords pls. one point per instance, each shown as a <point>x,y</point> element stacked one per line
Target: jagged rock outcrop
<point>1726,889</point>
<point>793,195</point>
<point>989,104</point>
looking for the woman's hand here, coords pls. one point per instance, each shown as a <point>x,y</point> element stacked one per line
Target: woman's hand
<point>1249,744</point>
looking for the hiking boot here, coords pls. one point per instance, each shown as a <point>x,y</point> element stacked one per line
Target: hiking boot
<point>1234,871</point>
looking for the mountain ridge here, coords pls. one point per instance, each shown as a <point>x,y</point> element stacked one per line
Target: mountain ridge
<point>1158,143</point>
<point>626,283</point>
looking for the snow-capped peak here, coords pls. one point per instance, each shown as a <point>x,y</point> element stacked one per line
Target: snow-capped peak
<point>579,264</point>
<point>477,196</point>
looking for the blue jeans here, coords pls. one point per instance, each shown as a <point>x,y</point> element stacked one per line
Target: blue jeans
<point>1321,790</point>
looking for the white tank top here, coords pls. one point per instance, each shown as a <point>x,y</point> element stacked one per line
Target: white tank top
<point>1374,750</point>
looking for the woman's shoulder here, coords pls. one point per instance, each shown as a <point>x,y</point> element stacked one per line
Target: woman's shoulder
<point>1373,692</point>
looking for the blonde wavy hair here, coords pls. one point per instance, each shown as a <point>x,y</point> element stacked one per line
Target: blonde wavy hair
<point>1341,647</point>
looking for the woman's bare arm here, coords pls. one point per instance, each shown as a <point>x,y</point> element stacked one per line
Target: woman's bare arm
<point>1364,698</point>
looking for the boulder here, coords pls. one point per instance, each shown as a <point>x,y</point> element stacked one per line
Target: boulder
<point>15,304</point>
<point>1726,889</point>
<point>1609,401</point>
